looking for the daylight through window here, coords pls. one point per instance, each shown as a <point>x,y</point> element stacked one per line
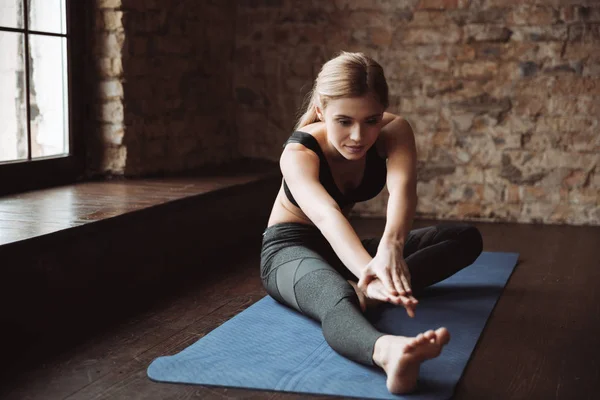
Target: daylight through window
<point>33,80</point>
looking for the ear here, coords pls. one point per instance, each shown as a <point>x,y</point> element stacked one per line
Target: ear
<point>319,113</point>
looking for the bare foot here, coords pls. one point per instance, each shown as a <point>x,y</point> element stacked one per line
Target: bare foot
<point>400,357</point>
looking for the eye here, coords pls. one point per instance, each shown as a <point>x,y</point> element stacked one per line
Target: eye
<point>344,122</point>
<point>373,121</point>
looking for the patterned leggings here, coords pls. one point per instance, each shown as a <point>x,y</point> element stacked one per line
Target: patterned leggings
<point>300,269</point>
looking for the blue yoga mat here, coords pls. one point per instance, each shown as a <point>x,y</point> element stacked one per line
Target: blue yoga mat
<point>271,347</point>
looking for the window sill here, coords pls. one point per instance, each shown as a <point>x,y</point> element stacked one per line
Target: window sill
<point>39,213</point>
<point>72,253</point>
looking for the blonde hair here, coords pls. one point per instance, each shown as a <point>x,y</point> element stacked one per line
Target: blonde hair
<point>347,75</point>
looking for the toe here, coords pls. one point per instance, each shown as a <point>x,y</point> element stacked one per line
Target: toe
<point>443,336</point>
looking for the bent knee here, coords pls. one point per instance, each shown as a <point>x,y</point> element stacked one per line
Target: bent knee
<point>472,242</point>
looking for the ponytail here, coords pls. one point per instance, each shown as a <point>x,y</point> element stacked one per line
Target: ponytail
<point>310,115</point>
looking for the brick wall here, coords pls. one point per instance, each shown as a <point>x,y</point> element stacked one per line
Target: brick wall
<point>163,82</point>
<point>504,97</point>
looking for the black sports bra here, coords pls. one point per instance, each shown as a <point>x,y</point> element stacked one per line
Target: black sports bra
<point>372,182</point>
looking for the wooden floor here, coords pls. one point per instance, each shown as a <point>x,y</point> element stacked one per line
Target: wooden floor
<point>541,341</point>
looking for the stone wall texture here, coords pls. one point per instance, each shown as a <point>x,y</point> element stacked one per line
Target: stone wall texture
<point>503,95</point>
<point>164,75</point>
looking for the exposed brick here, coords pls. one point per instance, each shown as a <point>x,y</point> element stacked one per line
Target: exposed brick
<point>528,14</point>
<point>112,20</point>
<point>451,34</point>
<point>585,141</point>
<point>173,45</point>
<point>109,67</point>
<point>584,33</point>
<point>380,36</point>
<point>576,179</point>
<point>114,160</point>
<point>575,85</point>
<point>587,196</point>
<point>428,18</point>
<point>108,3</point>
<point>138,46</point>
<point>151,91</point>
<point>386,5</point>
<point>111,111</point>
<point>566,124</point>
<point>581,51</point>
<point>530,105</point>
<point>588,105</point>
<point>477,70</point>
<point>563,105</point>
<point>486,33</point>
<point>441,4</point>
<point>513,194</point>
<point>110,89</point>
<point>539,33</point>
<point>502,94</point>
<point>419,104</point>
<point>112,134</point>
<point>109,44</point>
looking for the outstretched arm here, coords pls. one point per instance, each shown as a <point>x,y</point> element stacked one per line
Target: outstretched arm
<point>388,265</point>
<point>401,182</point>
<point>300,168</point>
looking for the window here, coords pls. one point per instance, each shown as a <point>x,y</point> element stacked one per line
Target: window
<point>39,130</point>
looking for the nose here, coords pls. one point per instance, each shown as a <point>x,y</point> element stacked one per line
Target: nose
<point>355,133</point>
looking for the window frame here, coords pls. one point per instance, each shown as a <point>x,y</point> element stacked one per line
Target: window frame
<point>22,175</point>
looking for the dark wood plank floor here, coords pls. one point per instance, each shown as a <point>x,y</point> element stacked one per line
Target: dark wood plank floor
<point>541,341</point>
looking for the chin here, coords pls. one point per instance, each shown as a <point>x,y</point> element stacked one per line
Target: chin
<point>354,156</point>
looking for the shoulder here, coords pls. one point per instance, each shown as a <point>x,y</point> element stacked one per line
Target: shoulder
<point>311,137</point>
<point>317,130</point>
<point>297,157</point>
<point>395,125</point>
<point>396,131</point>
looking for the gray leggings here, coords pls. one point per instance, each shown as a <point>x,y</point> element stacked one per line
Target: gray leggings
<point>300,269</point>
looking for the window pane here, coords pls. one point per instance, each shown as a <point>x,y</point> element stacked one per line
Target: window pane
<point>48,96</point>
<point>11,13</point>
<point>47,16</point>
<point>13,112</point>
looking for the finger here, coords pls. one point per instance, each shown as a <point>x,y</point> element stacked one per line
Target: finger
<point>409,302</point>
<point>401,300</point>
<point>406,284</point>
<point>377,294</point>
<point>364,281</point>
<point>386,279</point>
<point>407,274</point>
<point>410,311</point>
<point>396,275</point>
<point>405,277</point>
<point>396,300</point>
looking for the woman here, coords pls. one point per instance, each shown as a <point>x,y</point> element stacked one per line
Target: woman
<point>344,150</point>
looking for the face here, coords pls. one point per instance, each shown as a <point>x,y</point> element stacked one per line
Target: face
<point>353,124</point>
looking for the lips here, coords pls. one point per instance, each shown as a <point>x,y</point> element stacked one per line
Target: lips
<point>355,148</point>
